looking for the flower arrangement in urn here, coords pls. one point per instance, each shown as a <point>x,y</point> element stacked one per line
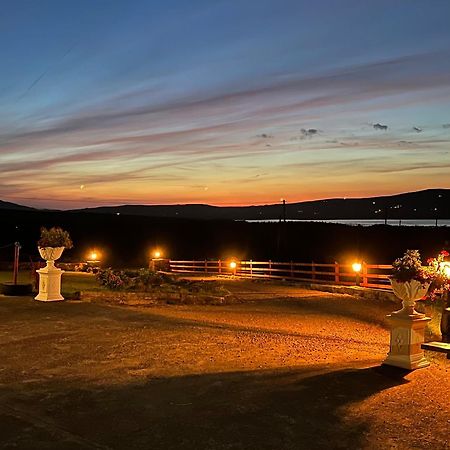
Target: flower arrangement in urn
<point>409,267</point>
<point>410,281</point>
<point>55,237</point>
<point>52,243</point>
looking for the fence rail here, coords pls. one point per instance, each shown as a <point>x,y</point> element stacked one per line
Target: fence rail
<point>371,275</point>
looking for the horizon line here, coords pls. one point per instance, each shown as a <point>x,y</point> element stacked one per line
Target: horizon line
<point>223,205</point>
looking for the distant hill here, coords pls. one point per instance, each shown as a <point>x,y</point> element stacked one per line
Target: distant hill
<point>8,205</point>
<point>427,204</point>
<point>126,239</point>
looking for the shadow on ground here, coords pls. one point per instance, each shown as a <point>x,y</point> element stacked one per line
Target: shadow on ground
<point>301,409</point>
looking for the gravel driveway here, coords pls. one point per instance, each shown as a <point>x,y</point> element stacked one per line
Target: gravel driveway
<point>286,369</point>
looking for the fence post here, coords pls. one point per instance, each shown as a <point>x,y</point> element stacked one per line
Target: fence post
<point>220,266</point>
<point>292,269</point>
<point>270,268</point>
<point>365,281</point>
<point>313,271</point>
<point>251,268</point>
<point>206,266</point>
<point>336,272</point>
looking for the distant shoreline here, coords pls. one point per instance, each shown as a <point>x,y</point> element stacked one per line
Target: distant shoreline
<point>364,222</point>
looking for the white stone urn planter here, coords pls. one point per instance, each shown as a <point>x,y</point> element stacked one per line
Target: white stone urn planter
<point>409,292</point>
<point>50,276</point>
<point>51,254</point>
<point>407,327</point>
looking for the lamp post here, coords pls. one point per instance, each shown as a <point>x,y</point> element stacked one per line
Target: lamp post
<point>158,261</point>
<point>356,267</point>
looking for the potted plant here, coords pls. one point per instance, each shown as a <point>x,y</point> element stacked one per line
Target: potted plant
<point>410,281</point>
<point>52,243</point>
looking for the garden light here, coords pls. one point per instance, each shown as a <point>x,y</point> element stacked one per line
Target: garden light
<point>233,265</point>
<point>157,254</point>
<point>356,267</point>
<point>445,268</point>
<point>93,256</point>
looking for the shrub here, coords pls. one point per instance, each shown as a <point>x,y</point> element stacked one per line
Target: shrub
<point>114,280</point>
<point>144,280</point>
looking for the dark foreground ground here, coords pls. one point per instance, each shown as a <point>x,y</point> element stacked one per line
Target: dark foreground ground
<point>287,369</point>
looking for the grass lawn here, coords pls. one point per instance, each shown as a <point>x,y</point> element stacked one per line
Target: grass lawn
<point>79,281</point>
<point>71,281</point>
<point>24,276</point>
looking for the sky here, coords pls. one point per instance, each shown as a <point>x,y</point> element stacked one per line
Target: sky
<point>230,102</point>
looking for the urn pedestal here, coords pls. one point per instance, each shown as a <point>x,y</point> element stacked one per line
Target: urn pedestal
<point>407,336</point>
<point>50,276</point>
<point>407,328</point>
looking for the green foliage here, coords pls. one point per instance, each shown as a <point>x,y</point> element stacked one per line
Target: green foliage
<point>55,237</point>
<point>111,279</point>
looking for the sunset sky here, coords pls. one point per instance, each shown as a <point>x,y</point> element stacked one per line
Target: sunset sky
<point>221,102</point>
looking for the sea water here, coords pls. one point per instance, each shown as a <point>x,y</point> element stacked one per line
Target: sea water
<point>369,222</point>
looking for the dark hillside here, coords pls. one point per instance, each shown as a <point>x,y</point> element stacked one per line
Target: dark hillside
<point>127,240</point>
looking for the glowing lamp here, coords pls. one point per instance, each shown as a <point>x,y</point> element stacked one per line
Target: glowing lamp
<point>157,254</point>
<point>93,256</point>
<point>356,267</point>
<point>233,265</point>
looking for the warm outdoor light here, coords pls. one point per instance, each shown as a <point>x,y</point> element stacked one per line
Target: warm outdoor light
<point>93,255</point>
<point>356,267</point>
<point>157,254</point>
<point>445,268</point>
<point>233,265</point>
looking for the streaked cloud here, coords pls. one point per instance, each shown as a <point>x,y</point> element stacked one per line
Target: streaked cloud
<point>225,113</point>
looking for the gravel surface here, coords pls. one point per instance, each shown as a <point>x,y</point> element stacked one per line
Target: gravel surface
<point>286,369</point>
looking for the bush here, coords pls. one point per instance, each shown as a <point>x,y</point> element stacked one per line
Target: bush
<point>113,280</point>
<point>144,280</point>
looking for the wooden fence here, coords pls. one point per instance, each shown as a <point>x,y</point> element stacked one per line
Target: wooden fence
<point>371,275</point>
